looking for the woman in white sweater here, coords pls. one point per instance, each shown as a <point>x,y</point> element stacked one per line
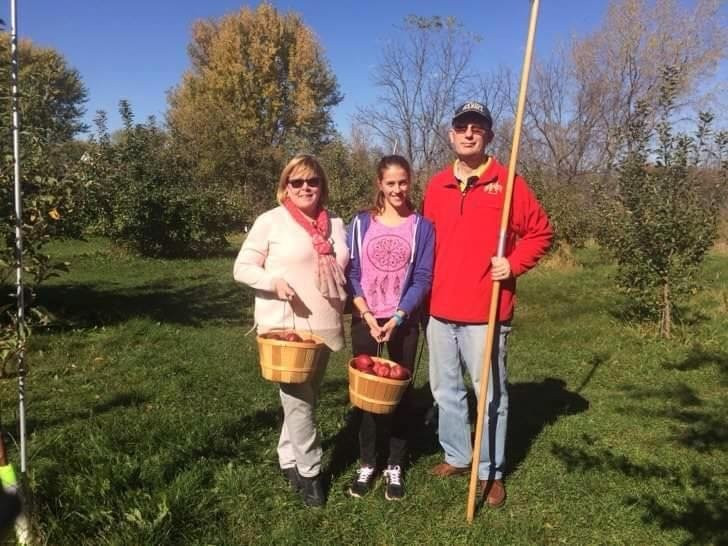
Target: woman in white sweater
<point>294,257</point>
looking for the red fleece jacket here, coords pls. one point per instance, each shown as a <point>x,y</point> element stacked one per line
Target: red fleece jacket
<point>466,237</point>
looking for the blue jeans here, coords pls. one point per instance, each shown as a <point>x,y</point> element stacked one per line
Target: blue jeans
<point>455,347</point>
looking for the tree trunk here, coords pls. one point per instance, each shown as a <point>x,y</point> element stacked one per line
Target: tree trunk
<point>666,314</point>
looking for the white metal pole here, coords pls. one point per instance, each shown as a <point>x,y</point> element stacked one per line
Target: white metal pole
<point>20,293</point>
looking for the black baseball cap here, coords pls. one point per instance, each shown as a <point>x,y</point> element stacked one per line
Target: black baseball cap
<point>476,109</point>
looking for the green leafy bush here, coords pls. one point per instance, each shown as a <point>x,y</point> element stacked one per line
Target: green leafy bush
<point>351,175</point>
<point>145,198</point>
<point>569,207</point>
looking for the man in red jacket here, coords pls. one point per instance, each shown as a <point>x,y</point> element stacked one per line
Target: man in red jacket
<point>464,201</point>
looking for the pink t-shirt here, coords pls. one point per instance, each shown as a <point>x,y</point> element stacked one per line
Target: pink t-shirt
<point>384,261</point>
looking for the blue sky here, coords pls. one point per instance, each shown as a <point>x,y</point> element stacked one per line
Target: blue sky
<point>137,50</point>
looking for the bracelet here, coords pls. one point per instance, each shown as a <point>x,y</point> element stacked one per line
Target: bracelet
<point>365,313</point>
<point>398,319</point>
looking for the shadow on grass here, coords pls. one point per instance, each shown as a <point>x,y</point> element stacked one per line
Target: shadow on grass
<point>533,406</point>
<point>698,426</point>
<point>345,448</point>
<point>242,438</point>
<point>344,444</point>
<point>88,306</point>
<point>694,500</point>
<point>423,432</point>
<point>702,427</point>
<point>706,431</point>
<point>627,311</point>
<point>334,392</point>
<point>679,393</point>
<point>703,517</point>
<point>698,358</point>
<point>581,459</point>
<point>122,400</point>
<point>240,441</point>
<point>421,440</point>
<point>701,506</point>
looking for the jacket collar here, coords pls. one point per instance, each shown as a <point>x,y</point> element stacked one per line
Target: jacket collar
<point>487,172</point>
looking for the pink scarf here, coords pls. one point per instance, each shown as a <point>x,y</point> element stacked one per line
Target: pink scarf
<point>330,279</point>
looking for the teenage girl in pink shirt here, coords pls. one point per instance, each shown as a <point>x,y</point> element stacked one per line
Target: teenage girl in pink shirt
<point>389,276</point>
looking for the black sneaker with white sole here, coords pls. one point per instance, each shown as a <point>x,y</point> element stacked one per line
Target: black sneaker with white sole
<point>395,482</point>
<point>363,482</point>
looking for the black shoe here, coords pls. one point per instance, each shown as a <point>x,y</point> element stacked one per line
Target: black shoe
<point>395,482</point>
<point>291,474</point>
<point>312,491</point>
<point>362,484</point>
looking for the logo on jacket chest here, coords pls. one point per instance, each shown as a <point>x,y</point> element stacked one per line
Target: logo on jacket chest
<point>493,188</point>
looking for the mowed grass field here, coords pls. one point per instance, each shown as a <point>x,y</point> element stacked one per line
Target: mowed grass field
<point>149,422</point>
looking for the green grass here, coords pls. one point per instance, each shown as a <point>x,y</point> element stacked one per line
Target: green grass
<point>149,422</point>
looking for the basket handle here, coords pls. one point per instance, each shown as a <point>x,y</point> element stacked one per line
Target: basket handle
<point>293,317</point>
<point>310,330</point>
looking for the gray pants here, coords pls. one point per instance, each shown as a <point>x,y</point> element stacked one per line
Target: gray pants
<point>300,442</point>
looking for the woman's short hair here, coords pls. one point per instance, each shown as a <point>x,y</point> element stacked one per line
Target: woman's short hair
<point>307,161</point>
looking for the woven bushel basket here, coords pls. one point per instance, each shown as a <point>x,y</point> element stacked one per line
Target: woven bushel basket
<point>373,393</point>
<point>289,361</point>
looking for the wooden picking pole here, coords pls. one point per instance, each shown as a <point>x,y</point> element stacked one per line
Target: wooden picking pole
<point>495,294</point>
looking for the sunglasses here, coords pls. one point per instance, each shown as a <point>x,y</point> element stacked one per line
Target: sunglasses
<point>298,183</point>
<point>461,128</point>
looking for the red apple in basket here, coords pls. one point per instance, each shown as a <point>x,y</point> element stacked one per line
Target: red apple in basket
<point>382,370</point>
<point>310,341</point>
<point>293,336</point>
<point>273,335</point>
<point>399,372</point>
<point>363,363</point>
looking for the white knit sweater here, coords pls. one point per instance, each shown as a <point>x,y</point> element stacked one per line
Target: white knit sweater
<point>278,248</point>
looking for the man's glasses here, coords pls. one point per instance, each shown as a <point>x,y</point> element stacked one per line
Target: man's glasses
<point>462,128</point>
<point>298,183</point>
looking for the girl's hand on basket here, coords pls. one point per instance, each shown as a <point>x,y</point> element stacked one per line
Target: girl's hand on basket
<point>387,329</point>
<point>283,290</point>
<point>374,328</point>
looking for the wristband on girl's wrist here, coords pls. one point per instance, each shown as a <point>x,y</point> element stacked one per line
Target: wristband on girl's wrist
<point>365,313</point>
<point>398,319</point>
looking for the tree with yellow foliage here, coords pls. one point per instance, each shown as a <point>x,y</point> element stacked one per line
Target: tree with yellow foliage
<point>258,90</point>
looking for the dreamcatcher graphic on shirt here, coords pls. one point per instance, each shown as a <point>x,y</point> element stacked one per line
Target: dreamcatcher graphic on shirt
<point>388,254</point>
